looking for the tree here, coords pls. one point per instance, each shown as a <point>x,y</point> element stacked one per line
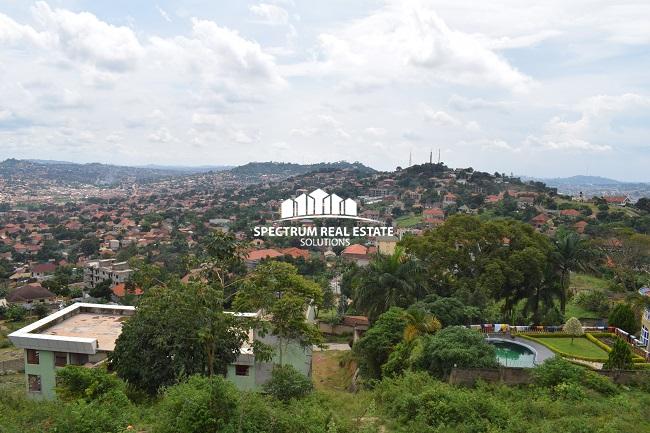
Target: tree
<point>418,323</point>
<point>102,290</point>
<point>287,383</point>
<point>620,358</point>
<point>622,316</point>
<point>279,291</point>
<point>455,346</point>
<point>571,254</point>
<point>376,345</point>
<point>177,330</point>
<point>89,247</point>
<point>388,281</point>
<point>40,310</point>
<point>643,204</point>
<point>573,327</point>
<point>15,313</point>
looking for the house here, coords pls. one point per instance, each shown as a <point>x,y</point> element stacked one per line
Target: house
<point>617,200</point>
<point>449,199</point>
<point>254,257</point>
<point>540,220</point>
<point>81,334</point>
<point>570,213</point>
<point>85,334</point>
<point>97,271</point>
<point>433,214</point>
<point>580,226</point>
<point>357,253</point>
<point>120,291</point>
<point>30,294</point>
<point>42,271</point>
<point>386,244</point>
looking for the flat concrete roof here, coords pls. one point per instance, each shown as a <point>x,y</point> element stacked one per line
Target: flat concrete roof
<point>79,328</point>
<point>105,328</point>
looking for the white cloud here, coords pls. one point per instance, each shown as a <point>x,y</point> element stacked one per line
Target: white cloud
<point>592,130</point>
<point>442,118</point>
<point>461,103</point>
<point>408,41</point>
<point>162,135</point>
<point>163,14</point>
<point>83,37</point>
<point>270,14</point>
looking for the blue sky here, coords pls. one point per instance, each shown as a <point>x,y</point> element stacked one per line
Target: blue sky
<point>535,88</point>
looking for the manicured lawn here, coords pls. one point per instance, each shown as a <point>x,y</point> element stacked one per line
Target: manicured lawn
<point>580,346</point>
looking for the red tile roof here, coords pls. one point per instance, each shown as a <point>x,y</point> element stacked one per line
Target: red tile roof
<point>256,255</point>
<point>356,249</point>
<point>120,291</point>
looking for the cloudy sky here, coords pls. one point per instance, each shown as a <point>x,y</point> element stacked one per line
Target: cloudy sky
<point>546,88</point>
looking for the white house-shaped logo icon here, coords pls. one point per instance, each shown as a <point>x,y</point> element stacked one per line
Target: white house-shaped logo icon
<point>318,204</point>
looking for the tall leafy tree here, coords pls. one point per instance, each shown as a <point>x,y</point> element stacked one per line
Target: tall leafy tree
<point>283,296</point>
<point>388,281</point>
<point>571,253</point>
<point>177,330</point>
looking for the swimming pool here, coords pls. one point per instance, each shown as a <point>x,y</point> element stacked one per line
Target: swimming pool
<point>511,354</point>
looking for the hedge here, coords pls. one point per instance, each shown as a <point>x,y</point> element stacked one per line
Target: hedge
<point>589,336</point>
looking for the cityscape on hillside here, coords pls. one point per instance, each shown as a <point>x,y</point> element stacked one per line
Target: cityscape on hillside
<point>273,216</point>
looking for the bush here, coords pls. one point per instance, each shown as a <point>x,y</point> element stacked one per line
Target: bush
<point>593,300</point>
<point>15,313</point>
<point>555,371</point>
<point>201,404</point>
<point>287,383</point>
<point>75,382</point>
<point>620,358</point>
<point>455,346</point>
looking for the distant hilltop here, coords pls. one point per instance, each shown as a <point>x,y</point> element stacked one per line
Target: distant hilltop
<point>288,169</point>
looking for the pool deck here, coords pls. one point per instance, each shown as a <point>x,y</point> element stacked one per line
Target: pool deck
<point>542,353</point>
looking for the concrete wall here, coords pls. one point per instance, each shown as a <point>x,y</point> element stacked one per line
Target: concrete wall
<point>523,376</point>
<point>45,369</point>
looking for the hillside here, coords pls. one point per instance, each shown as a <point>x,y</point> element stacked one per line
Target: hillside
<point>288,169</point>
<point>66,173</point>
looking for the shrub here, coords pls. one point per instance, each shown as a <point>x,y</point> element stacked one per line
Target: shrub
<point>15,313</point>
<point>573,327</point>
<point>76,382</point>
<point>455,346</point>
<point>556,371</point>
<point>569,391</point>
<point>287,383</point>
<point>201,404</point>
<point>593,300</point>
<point>620,358</point>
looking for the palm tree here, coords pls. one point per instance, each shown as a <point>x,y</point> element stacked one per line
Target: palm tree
<point>419,322</point>
<point>571,254</point>
<point>388,281</point>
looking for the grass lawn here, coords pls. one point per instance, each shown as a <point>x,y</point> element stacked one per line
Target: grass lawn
<point>580,346</point>
<point>575,310</point>
<point>581,282</point>
<point>408,220</point>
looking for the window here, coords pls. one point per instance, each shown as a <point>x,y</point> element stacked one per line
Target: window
<point>78,358</point>
<point>644,335</point>
<point>241,370</point>
<point>34,382</point>
<point>60,359</point>
<point>32,356</point>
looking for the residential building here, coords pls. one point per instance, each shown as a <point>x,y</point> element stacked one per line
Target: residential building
<point>85,334</point>
<point>97,271</point>
<point>386,244</point>
<point>29,295</point>
<point>81,334</point>
<point>42,271</point>
<point>617,200</point>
